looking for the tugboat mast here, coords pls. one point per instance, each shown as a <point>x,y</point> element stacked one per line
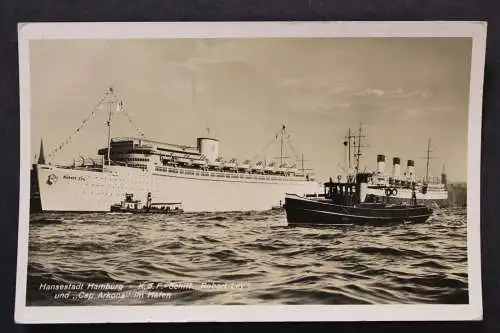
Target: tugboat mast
<point>349,149</point>
<point>347,143</point>
<point>428,158</point>
<point>358,152</point>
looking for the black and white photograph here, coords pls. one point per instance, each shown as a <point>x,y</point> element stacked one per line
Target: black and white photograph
<point>250,171</point>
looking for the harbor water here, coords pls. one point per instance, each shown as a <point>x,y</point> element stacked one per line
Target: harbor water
<point>242,258</point>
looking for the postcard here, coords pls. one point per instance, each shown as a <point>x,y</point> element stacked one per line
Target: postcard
<point>250,171</point>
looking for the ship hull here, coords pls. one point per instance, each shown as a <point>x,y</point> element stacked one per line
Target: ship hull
<point>404,196</point>
<point>74,190</point>
<point>303,211</point>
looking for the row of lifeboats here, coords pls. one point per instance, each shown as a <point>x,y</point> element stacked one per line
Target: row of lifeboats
<point>233,165</point>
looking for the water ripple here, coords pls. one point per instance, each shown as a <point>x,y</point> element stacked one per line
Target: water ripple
<point>247,258</point>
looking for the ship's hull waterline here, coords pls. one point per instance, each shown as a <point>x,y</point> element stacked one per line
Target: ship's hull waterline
<point>79,190</point>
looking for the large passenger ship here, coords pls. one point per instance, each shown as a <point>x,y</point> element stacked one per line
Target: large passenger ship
<point>197,176</point>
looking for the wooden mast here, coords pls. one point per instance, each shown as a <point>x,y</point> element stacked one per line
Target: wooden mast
<point>428,158</point>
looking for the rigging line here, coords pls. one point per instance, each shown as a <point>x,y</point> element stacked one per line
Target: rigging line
<point>77,130</point>
<point>275,137</point>
<point>289,140</point>
<point>122,109</point>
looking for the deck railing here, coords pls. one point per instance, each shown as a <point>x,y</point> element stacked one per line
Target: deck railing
<point>225,174</point>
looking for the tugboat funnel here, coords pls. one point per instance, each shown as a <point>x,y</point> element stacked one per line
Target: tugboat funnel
<point>362,182</point>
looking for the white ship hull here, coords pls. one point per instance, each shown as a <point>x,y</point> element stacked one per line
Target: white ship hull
<point>95,191</point>
<point>432,197</point>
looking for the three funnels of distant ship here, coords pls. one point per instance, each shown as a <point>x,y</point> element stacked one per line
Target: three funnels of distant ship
<point>398,186</point>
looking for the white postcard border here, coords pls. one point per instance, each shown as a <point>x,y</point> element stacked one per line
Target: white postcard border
<point>247,313</point>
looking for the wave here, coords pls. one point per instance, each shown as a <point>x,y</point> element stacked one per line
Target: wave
<point>277,264</point>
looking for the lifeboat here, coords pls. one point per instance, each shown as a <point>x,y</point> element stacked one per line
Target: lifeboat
<point>258,167</point>
<point>200,163</point>
<point>245,166</point>
<point>183,160</point>
<point>231,165</point>
<point>217,164</point>
<point>283,169</point>
<point>168,160</point>
<point>270,168</point>
<point>292,170</point>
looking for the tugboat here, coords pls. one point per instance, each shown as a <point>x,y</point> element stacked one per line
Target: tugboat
<point>129,205</point>
<point>347,203</point>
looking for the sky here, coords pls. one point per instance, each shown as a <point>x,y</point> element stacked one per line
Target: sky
<point>404,91</point>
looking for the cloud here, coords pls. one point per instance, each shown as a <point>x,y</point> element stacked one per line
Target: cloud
<point>398,93</point>
<point>371,92</point>
<point>417,93</point>
<point>412,112</point>
<point>292,82</point>
<point>342,105</point>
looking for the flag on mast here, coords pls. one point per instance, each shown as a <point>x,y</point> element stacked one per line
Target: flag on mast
<point>119,106</point>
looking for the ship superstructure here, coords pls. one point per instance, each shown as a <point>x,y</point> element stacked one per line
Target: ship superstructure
<point>198,176</point>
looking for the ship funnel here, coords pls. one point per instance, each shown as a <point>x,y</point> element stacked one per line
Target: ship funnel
<point>410,171</point>
<point>396,168</point>
<point>380,164</point>
<point>209,147</point>
<point>443,177</point>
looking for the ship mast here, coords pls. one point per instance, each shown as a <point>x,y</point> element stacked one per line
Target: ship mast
<point>281,135</point>
<point>281,146</point>
<point>428,158</point>
<point>347,143</point>
<point>358,147</point>
<point>109,128</point>
<point>349,147</point>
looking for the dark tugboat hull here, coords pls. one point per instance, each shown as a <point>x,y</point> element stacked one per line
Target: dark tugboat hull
<point>303,211</point>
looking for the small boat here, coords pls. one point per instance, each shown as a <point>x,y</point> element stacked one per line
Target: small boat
<point>343,204</point>
<point>129,205</point>
<point>279,208</point>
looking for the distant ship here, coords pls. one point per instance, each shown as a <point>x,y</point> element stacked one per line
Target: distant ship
<point>197,176</point>
<point>400,186</point>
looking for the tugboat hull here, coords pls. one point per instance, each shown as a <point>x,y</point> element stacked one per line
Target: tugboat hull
<point>301,210</point>
<point>120,209</point>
